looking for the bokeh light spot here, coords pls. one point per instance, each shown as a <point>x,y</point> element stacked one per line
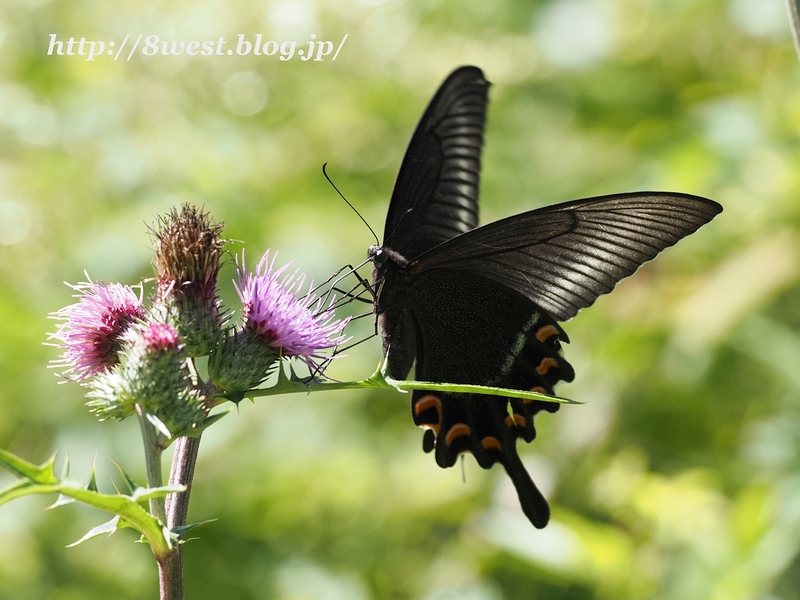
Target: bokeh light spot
<point>15,222</point>
<point>245,93</point>
<point>573,33</point>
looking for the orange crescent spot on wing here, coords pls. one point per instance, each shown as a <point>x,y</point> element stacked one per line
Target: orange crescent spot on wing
<point>546,364</point>
<point>491,442</point>
<point>456,431</point>
<point>546,332</point>
<point>516,421</point>
<point>435,427</point>
<point>426,402</point>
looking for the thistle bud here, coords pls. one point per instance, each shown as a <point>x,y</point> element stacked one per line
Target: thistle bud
<point>188,249</point>
<point>154,376</point>
<point>242,361</point>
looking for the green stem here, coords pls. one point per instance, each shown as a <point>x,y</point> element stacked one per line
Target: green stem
<point>793,7</point>
<point>182,473</point>
<point>382,380</point>
<point>152,456</point>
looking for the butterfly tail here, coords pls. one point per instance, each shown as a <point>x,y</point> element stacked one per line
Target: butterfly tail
<point>533,503</point>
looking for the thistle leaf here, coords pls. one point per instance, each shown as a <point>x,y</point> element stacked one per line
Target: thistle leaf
<point>61,501</point>
<point>43,474</point>
<point>178,532</point>
<point>129,484</point>
<point>92,485</point>
<point>106,528</point>
<point>41,480</point>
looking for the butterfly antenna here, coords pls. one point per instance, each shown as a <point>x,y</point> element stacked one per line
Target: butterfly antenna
<point>324,172</point>
<point>397,226</point>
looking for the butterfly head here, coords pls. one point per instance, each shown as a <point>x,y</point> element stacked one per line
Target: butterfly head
<point>381,256</point>
<point>377,255</point>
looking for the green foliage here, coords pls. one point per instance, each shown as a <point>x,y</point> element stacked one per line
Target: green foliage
<point>128,511</point>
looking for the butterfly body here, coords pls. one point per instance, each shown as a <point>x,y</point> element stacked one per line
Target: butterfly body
<point>480,305</point>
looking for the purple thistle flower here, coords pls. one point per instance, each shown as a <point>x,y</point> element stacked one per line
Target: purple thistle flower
<point>91,334</point>
<point>297,326</point>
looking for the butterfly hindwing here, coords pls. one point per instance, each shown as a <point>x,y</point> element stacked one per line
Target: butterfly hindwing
<point>524,352</point>
<point>436,192</point>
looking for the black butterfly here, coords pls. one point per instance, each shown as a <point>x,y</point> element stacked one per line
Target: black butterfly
<point>481,305</point>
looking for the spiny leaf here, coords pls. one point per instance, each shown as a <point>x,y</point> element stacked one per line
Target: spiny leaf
<point>179,531</point>
<point>106,528</point>
<point>41,480</point>
<point>61,501</point>
<point>44,474</point>
<point>130,484</point>
<point>92,485</point>
<point>142,494</point>
<point>382,380</point>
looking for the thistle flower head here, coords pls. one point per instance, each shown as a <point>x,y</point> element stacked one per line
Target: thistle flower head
<point>92,330</point>
<point>295,325</point>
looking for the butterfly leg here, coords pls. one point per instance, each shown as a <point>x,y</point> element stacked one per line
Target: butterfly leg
<point>337,277</point>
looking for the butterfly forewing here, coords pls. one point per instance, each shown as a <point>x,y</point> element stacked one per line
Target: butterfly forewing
<point>562,257</point>
<point>436,193</point>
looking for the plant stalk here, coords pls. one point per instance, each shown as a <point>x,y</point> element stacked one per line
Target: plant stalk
<point>177,509</point>
<point>793,7</point>
<point>152,456</point>
<point>381,379</point>
<point>170,576</point>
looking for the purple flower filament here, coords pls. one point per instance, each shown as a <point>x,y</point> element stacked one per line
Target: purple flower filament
<point>297,326</point>
<point>94,326</point>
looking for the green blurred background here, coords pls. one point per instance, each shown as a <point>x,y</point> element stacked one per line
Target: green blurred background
<point>680,476</point>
